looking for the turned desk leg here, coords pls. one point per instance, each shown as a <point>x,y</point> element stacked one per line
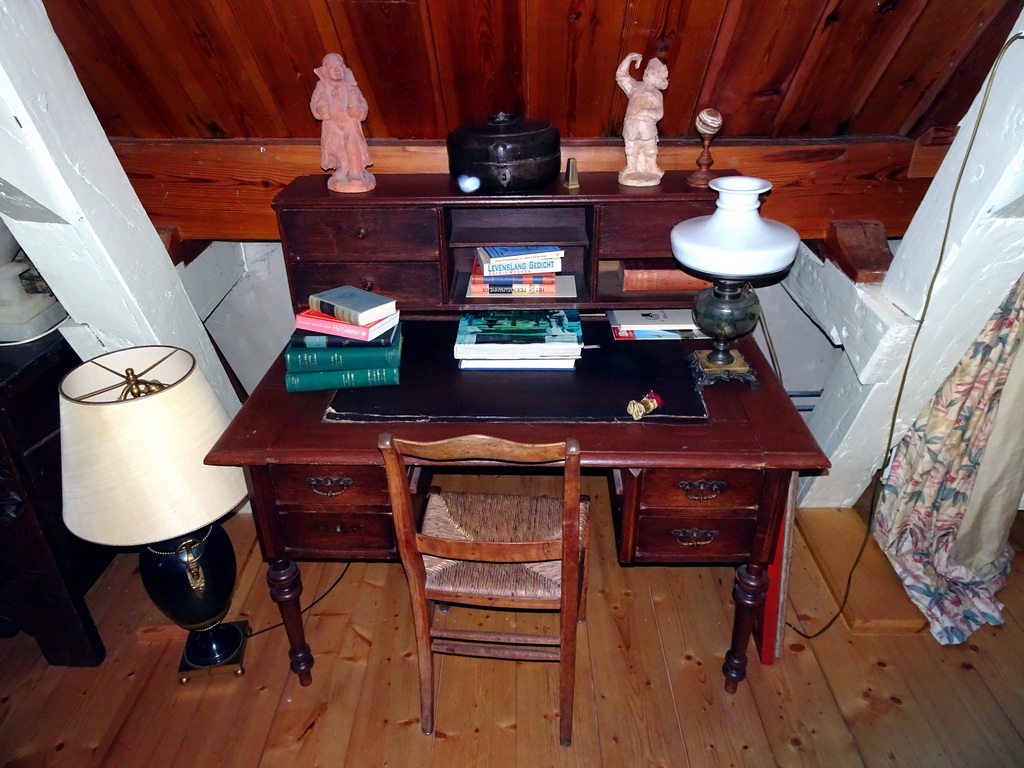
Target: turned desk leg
<point>749,592</point>
<point>285,588</point>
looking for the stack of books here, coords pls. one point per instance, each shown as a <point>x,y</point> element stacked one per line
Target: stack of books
<point>520,271</point>
<point>653,324</point>
<point>519,340</point>
<point>348,338</point>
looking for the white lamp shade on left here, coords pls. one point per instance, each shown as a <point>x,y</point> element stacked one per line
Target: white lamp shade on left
<point>132,469</point>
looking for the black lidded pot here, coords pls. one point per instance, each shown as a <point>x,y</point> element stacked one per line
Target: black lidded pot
<point>505,152</point>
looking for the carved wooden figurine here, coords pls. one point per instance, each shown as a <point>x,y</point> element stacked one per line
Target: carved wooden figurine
<point>640,126</point>
<point>339,104</point>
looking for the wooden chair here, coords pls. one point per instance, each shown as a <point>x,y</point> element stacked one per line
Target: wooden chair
<point>493,550</point>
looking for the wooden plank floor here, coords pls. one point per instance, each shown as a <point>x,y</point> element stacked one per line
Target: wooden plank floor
<point>649,685</point>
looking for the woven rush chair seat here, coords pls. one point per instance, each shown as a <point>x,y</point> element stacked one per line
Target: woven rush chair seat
<point>501,551</point>
<point>495,517</point>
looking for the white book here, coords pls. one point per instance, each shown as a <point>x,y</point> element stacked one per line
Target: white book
<point>520,364</point>
<point>648,319</point>
<point>498,253</point>
<point>524,265</point>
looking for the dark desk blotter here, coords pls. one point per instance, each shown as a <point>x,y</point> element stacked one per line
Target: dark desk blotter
<point>605,379</point>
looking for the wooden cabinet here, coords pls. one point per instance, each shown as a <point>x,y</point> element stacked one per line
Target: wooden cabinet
<point>44,569</point>
<point>415,237</point>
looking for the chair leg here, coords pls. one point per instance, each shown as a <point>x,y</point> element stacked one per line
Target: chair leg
<point>566,686</point>
<point>425,661</point>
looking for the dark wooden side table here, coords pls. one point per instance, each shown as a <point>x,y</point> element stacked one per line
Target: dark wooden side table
<point>707,490</point>
<point>45,570</point>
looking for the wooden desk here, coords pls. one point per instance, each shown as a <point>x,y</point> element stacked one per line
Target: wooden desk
<point>709,490</point>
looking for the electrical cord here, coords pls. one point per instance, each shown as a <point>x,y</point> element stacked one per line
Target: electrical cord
<point>337,581</point>
<point>876,485</point>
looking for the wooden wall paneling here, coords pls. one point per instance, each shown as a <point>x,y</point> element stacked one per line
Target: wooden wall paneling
<point>221,190</point>
<point>685,41</point>
<point>572,49</point>
<point>952,103</point>
<point>104,45</point>
<point>281,43</point>
<point>854,44</point>
<point>219,61</point>
<point>938,41</point>
<point>478,44</point>
<point>753,64</point>
<point>389,49</point>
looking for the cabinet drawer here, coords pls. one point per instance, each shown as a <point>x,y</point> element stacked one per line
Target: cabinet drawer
<point>705,538</point>
<point>412,284</point>
<point>377,234</point>
<point>642,229</point>
<point>697,489</point>
<point>347,534</point>
<point>330,485</point>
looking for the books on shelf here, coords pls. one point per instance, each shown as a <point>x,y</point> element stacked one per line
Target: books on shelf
<point>520,364</point>
<point>647,319</point>
<point>307,381</point>
<point>501,253</point>
<point>353,305</point>
<point>519,333</point>
<point>563,287</point>
<point>517,266</point>
<point>477,277</point>
<point>657,275</point>
<point>311,320</point>
<point>315,340</point>
<point>305,359</point>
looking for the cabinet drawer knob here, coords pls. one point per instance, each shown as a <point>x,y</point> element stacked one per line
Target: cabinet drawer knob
<point>10,505</point>
<point>329,486</point>
<point>361,233</point>
<point>702,490</point>
<point>367,285</point>
<point>695,537</point>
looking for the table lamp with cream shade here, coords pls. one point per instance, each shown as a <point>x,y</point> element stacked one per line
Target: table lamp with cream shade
<point>730,247</point>
<point>136,425</point>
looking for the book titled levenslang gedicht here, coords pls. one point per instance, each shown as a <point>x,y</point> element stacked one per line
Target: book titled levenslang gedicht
<point>518,266</point>
<point>302,359</point>
<point>345,379</point>
<point>353,305</point>
<point>519,333</point>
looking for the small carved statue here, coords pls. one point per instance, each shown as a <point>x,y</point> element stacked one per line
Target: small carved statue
<point>640,127</point>
<point>339,104</point>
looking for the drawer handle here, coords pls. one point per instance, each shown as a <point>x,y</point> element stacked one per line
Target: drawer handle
<point>702,490</point>
<point>11,505</point>
<point>361,233</point>
<point>695,537</point>
<point>367,285</point>
<point>329,486</point>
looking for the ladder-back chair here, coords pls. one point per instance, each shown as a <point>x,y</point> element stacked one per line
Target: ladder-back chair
<point>492,550</point>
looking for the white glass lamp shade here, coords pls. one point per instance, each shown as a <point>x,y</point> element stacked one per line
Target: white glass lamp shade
<point>132,469</point>
<point>734,241</point>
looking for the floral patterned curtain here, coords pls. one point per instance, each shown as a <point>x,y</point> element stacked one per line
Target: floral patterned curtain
<point>930,479</point>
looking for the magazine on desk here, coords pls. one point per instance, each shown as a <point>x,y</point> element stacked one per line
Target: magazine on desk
<point>514,333</point>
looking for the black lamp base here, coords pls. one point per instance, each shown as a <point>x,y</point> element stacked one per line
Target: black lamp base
<point>215,651</point>
<point>706,372</point>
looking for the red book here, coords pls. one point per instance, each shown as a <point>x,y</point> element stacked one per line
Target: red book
<point>311,320</point>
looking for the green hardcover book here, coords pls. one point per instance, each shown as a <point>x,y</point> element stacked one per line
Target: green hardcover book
<point>348,379</point>
<point>300,360</point>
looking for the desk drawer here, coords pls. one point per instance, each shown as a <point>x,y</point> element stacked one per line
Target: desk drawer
<point>330,486</point>
<point>361,234</point>
<point>720,537</point>
<point>642,230</point>
<point>348,534</point>
<point>411,283</point>
<point>695,489</point>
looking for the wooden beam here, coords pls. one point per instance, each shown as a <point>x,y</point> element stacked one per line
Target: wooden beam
<point>859,248</point>
<point>221,189</point>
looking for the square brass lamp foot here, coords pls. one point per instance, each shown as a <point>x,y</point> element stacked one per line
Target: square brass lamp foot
<point>230,665</point>
<point>706,373</point>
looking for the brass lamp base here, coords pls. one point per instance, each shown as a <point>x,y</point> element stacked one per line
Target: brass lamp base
<point>232,664</point>
<point>706,372</point>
